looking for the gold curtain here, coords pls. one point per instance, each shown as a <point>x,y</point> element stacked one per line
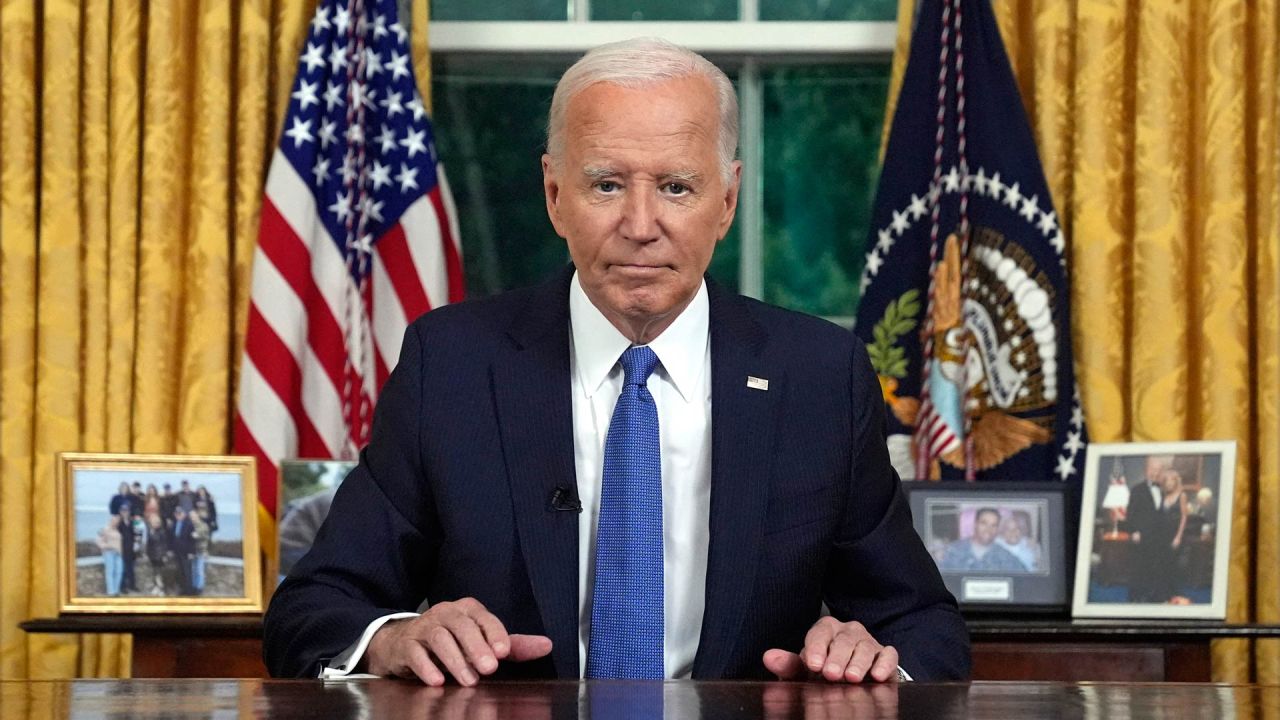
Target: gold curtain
<point>1157,124</point>
<point>135,138</point>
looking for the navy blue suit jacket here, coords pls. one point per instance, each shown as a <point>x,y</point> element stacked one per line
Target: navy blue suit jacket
<point>473,436</point>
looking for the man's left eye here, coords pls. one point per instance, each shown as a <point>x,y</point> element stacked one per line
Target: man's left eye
<point>676,188</point>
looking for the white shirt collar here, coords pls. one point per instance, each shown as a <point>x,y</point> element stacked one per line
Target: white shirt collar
<point>597,344</point>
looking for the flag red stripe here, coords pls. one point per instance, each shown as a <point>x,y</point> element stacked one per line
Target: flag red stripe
<point>396,258</point>
<point>324,335</point>
<point>453,261</point>
<point>267,487</point>
<point>285,249</point>
<point>292,260</point>
<point>937,432</point>
<point>272,359</point>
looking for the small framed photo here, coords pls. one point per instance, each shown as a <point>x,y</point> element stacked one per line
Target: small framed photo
<point>307,488</point>
<point>1155,530</point>
<point>157,534</point>
<point>999,546</point>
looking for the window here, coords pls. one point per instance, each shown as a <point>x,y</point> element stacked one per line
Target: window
<point>811,75</point>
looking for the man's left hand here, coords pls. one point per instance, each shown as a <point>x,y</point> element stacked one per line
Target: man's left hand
<point>838,652</point>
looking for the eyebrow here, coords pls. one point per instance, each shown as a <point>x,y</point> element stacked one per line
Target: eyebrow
<point>599,172</point>
<point>682,175</point>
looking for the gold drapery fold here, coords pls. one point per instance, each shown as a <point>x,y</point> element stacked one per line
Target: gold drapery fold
<point>1156,123</point>
<point>135,139</point>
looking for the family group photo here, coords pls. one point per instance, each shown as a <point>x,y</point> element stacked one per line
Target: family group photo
<point>158,533</point>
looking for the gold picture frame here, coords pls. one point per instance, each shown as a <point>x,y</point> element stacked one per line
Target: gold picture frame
<point>192,549</point>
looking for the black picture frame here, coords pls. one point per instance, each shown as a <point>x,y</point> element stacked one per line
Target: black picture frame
<point>1030,576</point>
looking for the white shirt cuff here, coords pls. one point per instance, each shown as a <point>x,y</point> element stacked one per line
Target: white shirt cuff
<point>346,661</point>
<point>904,676</point>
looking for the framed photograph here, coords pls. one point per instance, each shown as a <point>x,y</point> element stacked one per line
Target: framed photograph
<point>1155,530</point>
<point>999,546</point>
<point>157,534</point>
<point>306,491</point>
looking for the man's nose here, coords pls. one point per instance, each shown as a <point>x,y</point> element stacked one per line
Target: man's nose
<point>640,216</point>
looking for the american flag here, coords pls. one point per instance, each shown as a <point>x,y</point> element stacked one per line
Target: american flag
<point>358,237</point>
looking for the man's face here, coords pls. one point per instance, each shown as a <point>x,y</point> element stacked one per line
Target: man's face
<point>639,197</point>
<point>1155,466</point>
<point>984,528</point>
<point>1011,531</point>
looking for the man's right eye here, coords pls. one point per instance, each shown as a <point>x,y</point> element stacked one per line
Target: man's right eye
<point>606,186</point>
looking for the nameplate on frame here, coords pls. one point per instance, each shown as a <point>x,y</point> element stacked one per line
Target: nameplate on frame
<point>986,590</point>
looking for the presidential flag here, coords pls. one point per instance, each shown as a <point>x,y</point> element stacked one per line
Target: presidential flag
<point>357,239</point>
<point>965,303</point>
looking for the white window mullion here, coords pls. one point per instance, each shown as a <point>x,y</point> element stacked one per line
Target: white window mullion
<point>758,39</point>
<point>748,10</point>
<point>579,11</point>
<point>751,194</point>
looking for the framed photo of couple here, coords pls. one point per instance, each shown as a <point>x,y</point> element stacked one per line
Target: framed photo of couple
<point>1155,530</point>
<point>999,546</point>
<point>157,534</point>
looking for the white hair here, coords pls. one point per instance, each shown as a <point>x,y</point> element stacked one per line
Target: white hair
<point>638,63</point>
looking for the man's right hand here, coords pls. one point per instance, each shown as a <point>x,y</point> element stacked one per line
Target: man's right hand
<point>460,638</point>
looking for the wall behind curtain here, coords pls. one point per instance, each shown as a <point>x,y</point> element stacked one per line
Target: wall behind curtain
<point>135,138</point>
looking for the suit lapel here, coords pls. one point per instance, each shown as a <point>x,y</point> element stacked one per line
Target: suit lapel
<point>533,392</point>
<point>743,422</point>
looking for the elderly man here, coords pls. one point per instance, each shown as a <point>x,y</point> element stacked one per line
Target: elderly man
<point>627,472</point>
<point>1146,561</point>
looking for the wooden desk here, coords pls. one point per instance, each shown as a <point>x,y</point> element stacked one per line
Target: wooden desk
<point>1101,650</point>
<point>1051,650</point>
<point>683,700</point>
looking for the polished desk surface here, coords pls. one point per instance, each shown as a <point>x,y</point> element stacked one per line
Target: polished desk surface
<point>312,699</point>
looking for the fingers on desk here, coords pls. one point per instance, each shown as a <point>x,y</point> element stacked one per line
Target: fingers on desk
<point>462,639</point>
<point>847,652</point>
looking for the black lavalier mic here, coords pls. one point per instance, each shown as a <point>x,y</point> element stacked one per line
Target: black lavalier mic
<point>565,499</point>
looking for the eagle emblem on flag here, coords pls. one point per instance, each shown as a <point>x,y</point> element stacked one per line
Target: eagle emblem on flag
<point>965,302</point>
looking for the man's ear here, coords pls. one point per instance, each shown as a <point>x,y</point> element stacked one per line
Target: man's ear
<point>731,198</point>
<point>551,190</point>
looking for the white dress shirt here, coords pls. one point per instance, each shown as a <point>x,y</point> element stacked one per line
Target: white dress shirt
<point>681,389</point>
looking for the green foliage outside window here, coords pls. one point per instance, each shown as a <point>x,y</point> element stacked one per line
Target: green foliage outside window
<point>821,145</point>
<point>868,10</point>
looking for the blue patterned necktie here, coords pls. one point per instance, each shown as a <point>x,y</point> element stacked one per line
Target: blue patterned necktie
<point>626,608</point>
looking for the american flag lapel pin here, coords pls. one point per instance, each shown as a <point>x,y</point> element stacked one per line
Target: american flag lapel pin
<point>756,383</point>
